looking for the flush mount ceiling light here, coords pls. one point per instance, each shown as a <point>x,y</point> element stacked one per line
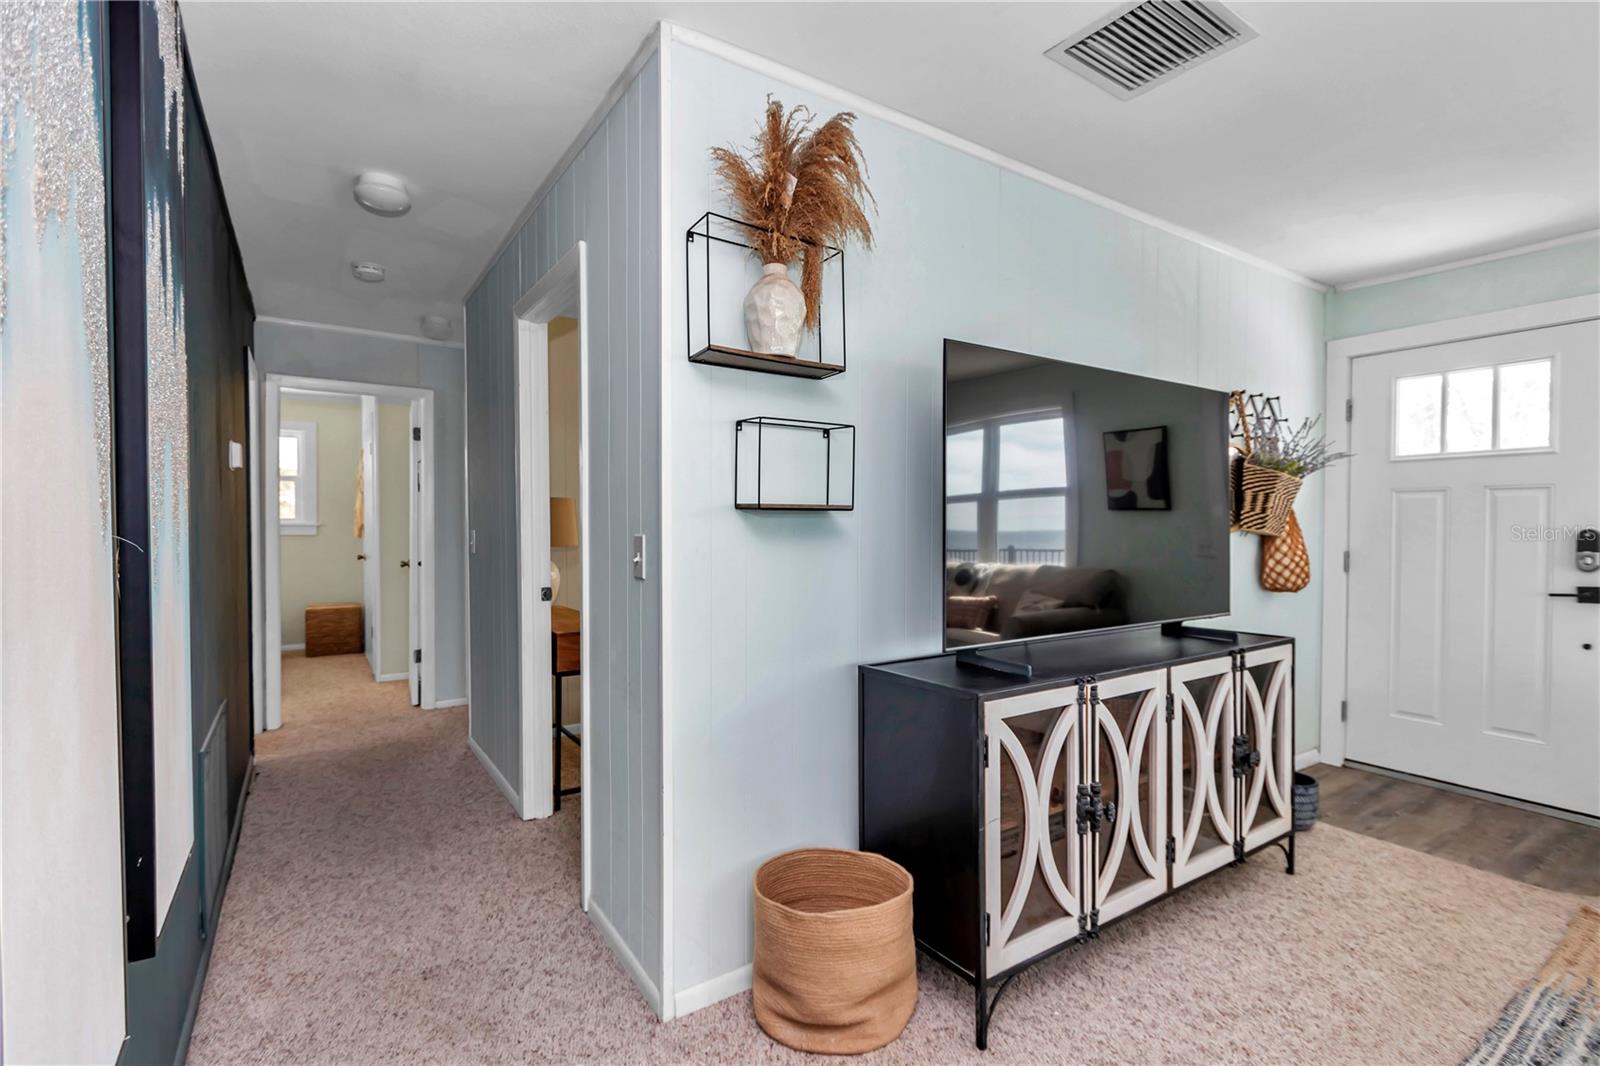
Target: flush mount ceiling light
<point>436,327</point>
<point>369,272</point>
<point>1141,45</point>
<point>382,193</point>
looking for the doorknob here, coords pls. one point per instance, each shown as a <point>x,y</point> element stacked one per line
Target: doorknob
<point>361,558</point>
<point>1585,594</point>
<point>405,562</point>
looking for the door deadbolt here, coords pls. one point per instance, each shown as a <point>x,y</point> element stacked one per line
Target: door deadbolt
<point>1588,550</point>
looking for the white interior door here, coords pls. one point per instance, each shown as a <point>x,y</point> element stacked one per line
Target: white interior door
<point>1475,465</point>
<point>1033,855</point>
<point>371,564</point>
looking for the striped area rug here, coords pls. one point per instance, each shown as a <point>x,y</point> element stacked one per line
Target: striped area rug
<point>1556,1018</point>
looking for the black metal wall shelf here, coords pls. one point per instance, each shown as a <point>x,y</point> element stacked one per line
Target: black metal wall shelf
<point>712,325</point>
<point>793,464</point>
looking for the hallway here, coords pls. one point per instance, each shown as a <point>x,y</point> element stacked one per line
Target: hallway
<point>385,903</point>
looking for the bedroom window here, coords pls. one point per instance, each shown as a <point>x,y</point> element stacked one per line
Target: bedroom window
<point>297,478</point>
<point>1007,493</point>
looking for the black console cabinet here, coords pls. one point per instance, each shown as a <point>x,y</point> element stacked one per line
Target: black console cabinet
<point>1033,811</point>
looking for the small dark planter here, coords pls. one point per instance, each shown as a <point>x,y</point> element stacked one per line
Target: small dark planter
<point>1306,796</point>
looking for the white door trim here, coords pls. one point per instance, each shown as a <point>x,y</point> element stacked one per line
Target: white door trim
<point>272,641</point>
<point>563,291</point>
<point>371,535</point>
<point>1336,516</point>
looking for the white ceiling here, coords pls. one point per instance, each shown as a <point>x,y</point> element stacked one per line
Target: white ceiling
<point>1349,140</point>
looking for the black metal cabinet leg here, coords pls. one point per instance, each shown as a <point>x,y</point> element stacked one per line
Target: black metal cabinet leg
<point>1290,868</point>
<point>982,1035</point>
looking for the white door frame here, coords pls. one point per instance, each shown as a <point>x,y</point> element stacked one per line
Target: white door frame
<point>1336,516</point>
<point>563,291</point>
<point>253,452</point>
<point>273,627</point>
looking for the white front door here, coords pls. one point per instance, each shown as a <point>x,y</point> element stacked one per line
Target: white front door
<point>1475,465</point>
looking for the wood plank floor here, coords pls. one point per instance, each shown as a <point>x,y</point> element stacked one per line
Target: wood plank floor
<point>1536,849</point>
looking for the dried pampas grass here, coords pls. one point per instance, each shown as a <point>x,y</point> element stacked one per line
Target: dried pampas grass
<point>799,190</point>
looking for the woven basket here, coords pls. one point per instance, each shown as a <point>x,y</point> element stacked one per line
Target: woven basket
<point>836,963</point>
<point>1266,499</point>
<point>1285,563</point>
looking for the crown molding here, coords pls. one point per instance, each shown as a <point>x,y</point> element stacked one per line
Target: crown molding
<point>409,338</point>
<point>1456,264</point>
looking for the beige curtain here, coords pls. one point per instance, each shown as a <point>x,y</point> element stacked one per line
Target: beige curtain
<point>361,493</point>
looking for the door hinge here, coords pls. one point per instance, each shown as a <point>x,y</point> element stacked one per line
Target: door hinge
<point>416,432</point>
<point>1344,710</point>
<point>1350,410</point>
<point>986,929</point>
<point>983,739</point>
<point>1347,560</point>
<point>1172,850</point>
<point>546,595</point>
<point>416,656</point>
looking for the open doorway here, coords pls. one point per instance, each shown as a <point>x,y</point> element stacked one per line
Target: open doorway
<point>552,369</point>
<point>346,502</point>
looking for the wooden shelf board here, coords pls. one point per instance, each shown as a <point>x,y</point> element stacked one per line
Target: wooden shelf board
<point>794,506</point>
<point>744,359</point>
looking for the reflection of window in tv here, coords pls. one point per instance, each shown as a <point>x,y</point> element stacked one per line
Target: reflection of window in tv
<point>1009,493</point>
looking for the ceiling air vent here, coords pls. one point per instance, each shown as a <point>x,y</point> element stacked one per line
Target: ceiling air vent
<point>1142,45</point>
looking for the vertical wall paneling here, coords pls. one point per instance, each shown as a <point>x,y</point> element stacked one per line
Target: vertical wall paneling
<point>61,966</point>
<point>773,612</point>
<point>609,197</point>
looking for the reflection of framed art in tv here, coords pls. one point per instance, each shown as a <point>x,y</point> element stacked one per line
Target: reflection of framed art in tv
<point>1136,470</point>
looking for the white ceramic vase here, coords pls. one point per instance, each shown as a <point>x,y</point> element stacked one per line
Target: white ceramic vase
<point>774,312</point>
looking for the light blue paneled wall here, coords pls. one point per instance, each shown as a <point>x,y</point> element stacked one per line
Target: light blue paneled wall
<point>609,197</point>
<point>1547,274</point>
<point>340,355</point>
<point>771,613</point>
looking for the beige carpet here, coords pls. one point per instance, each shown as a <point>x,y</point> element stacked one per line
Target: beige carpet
<point>386,905</point>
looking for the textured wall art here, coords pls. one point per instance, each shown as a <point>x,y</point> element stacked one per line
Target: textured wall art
<point>166,352</point>
<point>62,979</point>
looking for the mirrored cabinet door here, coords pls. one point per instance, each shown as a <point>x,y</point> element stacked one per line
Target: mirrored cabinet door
<point>1202,792</point>
<point>1033,854</point>
<point>1266,718</point>
<point>1128,749</point>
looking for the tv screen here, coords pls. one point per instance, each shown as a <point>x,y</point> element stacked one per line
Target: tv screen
<point>1078,498</point>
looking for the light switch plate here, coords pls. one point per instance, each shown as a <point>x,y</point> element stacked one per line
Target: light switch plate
<point>638,557</point>
<point>235,455</point>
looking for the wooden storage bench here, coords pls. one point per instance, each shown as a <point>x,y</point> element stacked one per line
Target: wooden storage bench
<point>333,629</point>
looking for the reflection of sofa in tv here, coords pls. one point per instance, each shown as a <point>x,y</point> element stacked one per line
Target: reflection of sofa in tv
<point>1032,600</point>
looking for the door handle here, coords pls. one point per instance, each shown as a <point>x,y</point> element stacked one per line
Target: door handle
<point>361,558</point>
<point>405,563</point>
<point>1584,594</point>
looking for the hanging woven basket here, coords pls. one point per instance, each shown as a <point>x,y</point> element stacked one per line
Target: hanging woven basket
<point>1285,563</point>
<point>835,959</point>
<point>1262,498</point>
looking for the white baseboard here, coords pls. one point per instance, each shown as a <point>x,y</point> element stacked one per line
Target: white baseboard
<point>1307,758</point>
<point>708,992</point>
<point>459,701</point>
<point>496,776</point>
<point>613,939</point>
<point>292,647</point>
<point>384,679</point>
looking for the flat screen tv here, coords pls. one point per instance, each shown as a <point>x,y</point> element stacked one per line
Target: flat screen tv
<point>1078,498</point>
